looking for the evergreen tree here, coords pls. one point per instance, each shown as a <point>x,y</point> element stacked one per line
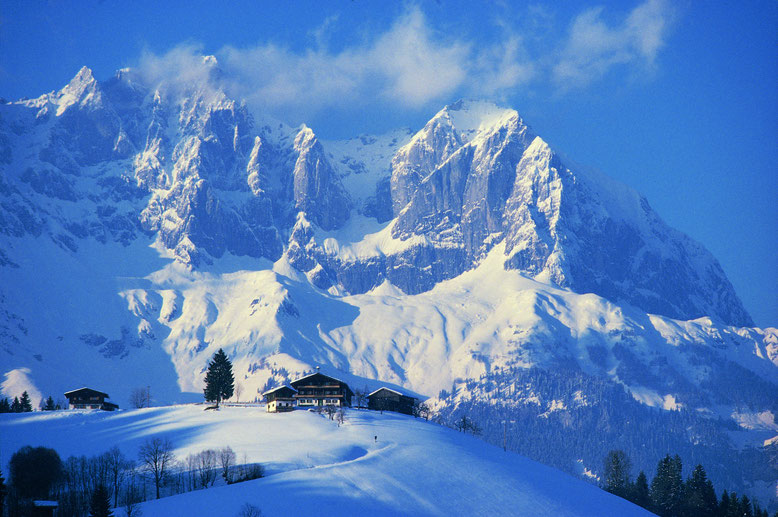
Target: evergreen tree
<point>699,496</point>
<point>49,404</point>
<point>616,473</point>
<point>724,504</point>
<point>2,490</point>
<point>639,491</point>
<point>219,382</point>
<point>734,506</point>
<point>25,403</point>
<point>100,503</point>
<point>16,407</point>
<point>5,405</point>
<point>745,509</point>
<point>667,487</point>
<point>35,471</point>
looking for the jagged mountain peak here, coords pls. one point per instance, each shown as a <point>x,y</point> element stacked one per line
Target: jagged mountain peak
<point>470,117</point>
<point>83,90</point>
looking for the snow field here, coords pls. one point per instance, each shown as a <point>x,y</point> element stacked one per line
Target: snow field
<point>375,464</point>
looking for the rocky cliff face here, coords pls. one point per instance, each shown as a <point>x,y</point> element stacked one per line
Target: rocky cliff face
<point>192,167</point>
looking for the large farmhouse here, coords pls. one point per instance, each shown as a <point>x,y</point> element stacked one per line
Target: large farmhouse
<point>87,398</point>
<point>280,399</point>
<point>385,399</point>
<point>318,389</point>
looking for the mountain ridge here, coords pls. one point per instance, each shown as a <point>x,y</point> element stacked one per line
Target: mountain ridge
<point>144,226</point>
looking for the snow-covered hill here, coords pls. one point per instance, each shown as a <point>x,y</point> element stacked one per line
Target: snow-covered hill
<point>374,464</point>
<point>145,226</point>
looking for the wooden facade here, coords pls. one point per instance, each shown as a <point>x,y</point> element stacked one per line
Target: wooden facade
<point>87,398</point>
<point>318,389</point>
<point>280,399</point>
<point>384,399</point>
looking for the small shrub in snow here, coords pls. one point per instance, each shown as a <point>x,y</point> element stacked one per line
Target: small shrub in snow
<point>249,472</point>
<point>249,510</point>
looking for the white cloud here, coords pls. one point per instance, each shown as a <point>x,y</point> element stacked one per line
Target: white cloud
<point>411,65</point>
<point>593,48</point>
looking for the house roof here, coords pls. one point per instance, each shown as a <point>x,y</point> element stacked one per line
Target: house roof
<point>268,392</point>
<point>389,389</point>
<point>323,375</point>
<point>317,373</point>
<point>45,504</point>
<point>72,392</point>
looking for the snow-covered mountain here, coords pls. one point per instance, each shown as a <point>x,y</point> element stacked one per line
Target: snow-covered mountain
<point>145,226</point>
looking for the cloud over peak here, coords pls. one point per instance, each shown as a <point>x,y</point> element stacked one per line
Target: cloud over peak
<point>413,64</point>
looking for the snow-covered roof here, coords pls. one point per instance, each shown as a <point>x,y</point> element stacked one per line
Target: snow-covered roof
<point>278,388</point>
<point>318,373</point>
<point>45,504</point>
<point>85,388</point>
<point>389,389</point>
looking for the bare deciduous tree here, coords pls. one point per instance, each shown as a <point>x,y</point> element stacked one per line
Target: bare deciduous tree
<point>117,466</point>
<point>206,467</point>
<point>227,460</point>
<point>422,410</point>
<point>140,397</point>
<point>361,396</point>
<point>132,495</point>
<point>238,391</point>
<point>156,455</point>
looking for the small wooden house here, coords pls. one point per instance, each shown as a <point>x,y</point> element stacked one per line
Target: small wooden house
<point>44,508</point>
<point>318,389</point>
<point>87,398</point>
<point>280,399</point>
<point>385,399</point>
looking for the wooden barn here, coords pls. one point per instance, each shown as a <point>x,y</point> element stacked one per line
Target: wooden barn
<point>87,398</point>
<point>318,389</point>
<point>280,399</point>
<point>385,399</point>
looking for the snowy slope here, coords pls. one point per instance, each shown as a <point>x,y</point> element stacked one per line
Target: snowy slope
<point>315,467</point>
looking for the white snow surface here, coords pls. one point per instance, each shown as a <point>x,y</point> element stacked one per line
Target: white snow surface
<point>374,464</point>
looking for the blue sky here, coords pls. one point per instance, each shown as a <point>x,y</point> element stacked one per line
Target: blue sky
<point>677,99</point>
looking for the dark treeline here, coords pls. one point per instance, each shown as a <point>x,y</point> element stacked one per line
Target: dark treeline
<point>570,420</point>
<point>23,404</point>
<point>668,495</point>
<point>83,485</point>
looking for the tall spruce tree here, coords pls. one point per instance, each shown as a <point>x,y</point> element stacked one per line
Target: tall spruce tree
<point>2,492</point>
<point>16,407</point>
<point>724,504</point>
<point>5,405</point>
<point>699,495</point>
<point>219,382</point>
<point>100,502</point>
<point>49,404</point>
<point>617,468</point>
<point>639,491</point>
<point>667,487</point>
<point>25,403</point>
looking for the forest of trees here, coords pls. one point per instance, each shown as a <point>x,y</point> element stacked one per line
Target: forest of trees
<point>96,485</point>
<point>23,404</point>
<point>592,416</point>
<point>668,495</point>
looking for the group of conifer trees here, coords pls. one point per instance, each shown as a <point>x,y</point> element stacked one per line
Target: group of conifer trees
<point>19,405</point>
<point>668,495</point>
<point>24,404</point>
